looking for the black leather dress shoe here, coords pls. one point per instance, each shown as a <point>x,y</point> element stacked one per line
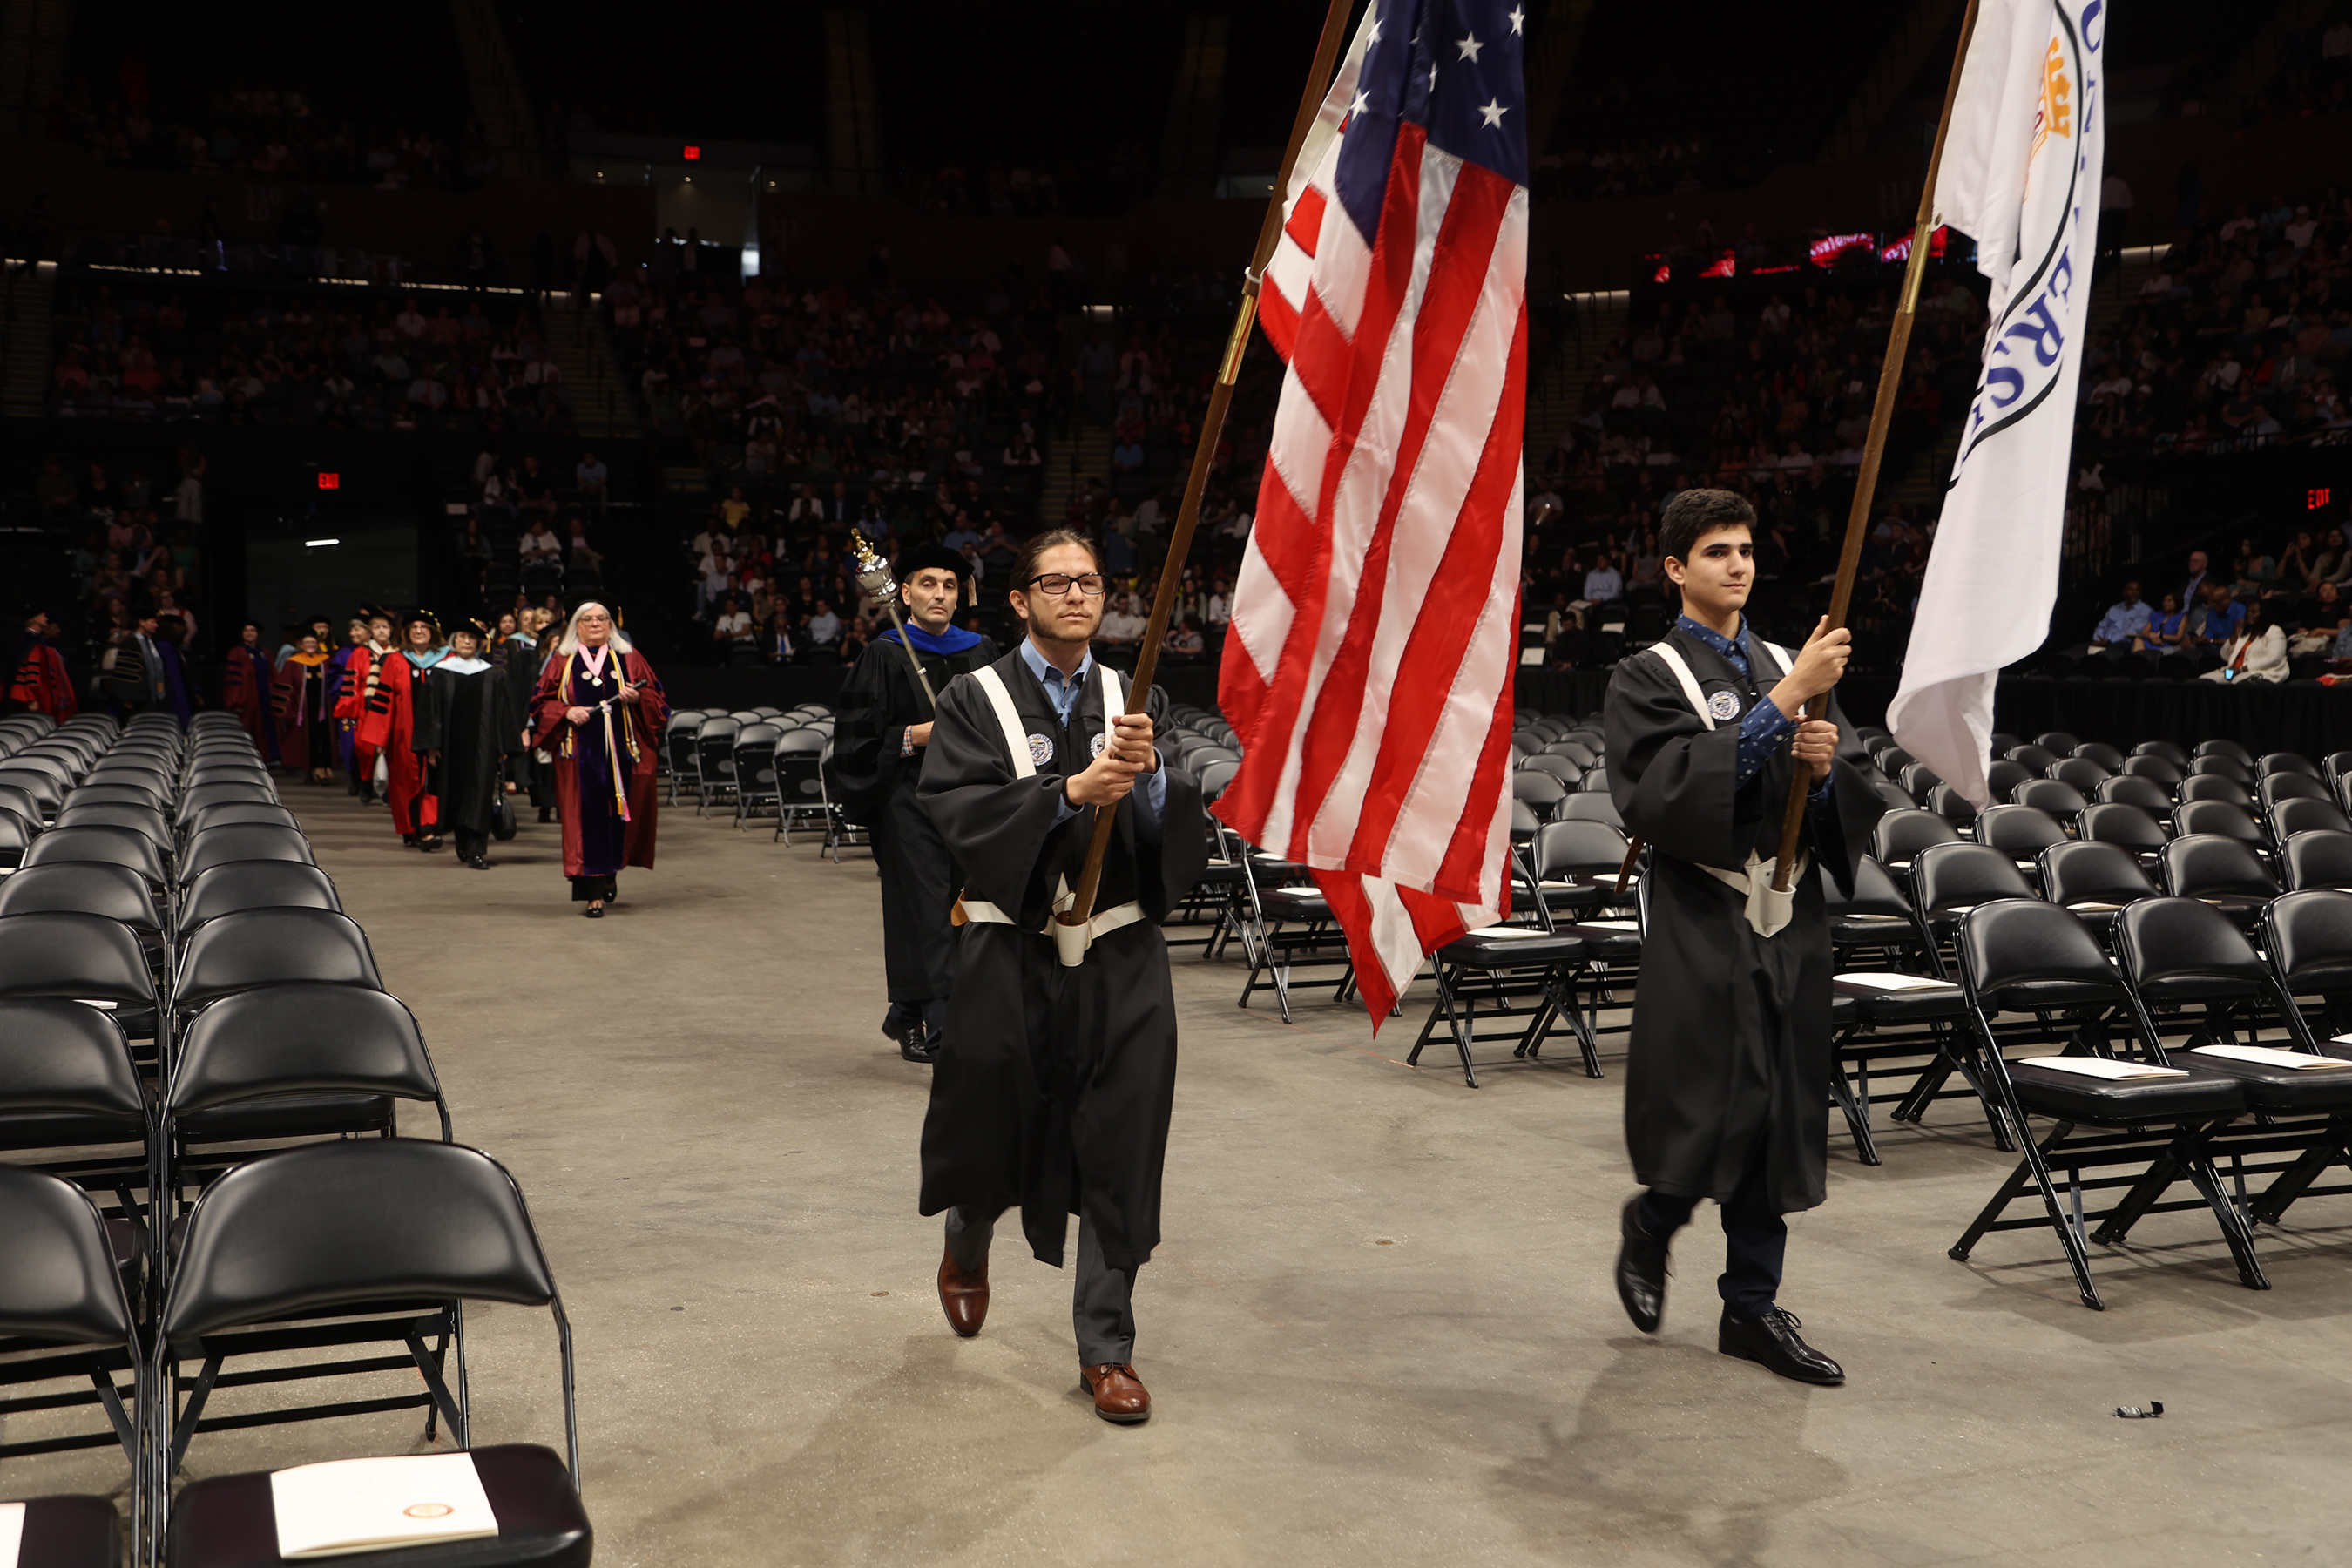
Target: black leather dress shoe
<point>917,1046</point>
<point>1771,1341</point>
<point>1641,1270</point>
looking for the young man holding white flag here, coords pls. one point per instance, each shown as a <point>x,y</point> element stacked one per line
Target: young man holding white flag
<point>2020,175</point>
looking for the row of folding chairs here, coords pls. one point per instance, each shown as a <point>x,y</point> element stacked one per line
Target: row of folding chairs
<point>195,1047</point>
<point>685,764</point>
<point>1222,907</point>
<point>2221,1058</point>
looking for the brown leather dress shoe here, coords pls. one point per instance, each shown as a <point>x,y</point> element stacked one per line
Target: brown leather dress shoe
<point>963,1295</point>
<point>1119,1395</point>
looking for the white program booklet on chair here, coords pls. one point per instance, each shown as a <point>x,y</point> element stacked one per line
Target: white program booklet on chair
<point>12,1532</point>
<point>1897,983</point>
<point>2272,1057</point>
<point>2100,1067</point>
<point>347,1506</point>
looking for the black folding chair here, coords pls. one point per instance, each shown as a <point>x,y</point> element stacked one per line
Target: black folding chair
<point>800,780</point>
<point>1893,1019</point>
<point>2181,957</point>
<point>94,888</point>
<point>276,946</point>
<point>841,829</point>
<point>142,819</point>
<point>73,1103</point>
<point>2095,880</point>
<point>1511,971</point>
<point>2222,871</point>
<point>714,746</point>
<point>300,1061</point>
<point>242,841</point>
<point>231,814</point>
<point>80,957</point>
<point>2126,826</point>
<point>2021,832</point>
<point>110,845</point>
<point>2024,956</point>
<point>350,1244</point>
<point>2317,859</point>
<point>1899,835</point>
<point>237,885</point>
<point>66,1321</point>
<point>755,769</point>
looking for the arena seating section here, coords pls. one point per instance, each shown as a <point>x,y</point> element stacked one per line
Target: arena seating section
<point>199,1072</point>
<point>141,346</point>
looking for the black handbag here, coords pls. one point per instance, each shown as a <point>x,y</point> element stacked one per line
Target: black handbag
<point>503,820</point>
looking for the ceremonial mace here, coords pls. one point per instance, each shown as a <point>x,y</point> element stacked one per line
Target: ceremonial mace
<point>1882,415</point>
<point>1212,424</point>
<point>873,576</point>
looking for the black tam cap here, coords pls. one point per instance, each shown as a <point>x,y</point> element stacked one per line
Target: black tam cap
<point>934,558</point>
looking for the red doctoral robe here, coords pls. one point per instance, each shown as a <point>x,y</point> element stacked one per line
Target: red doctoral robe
<point>637,729</point>
<point>386,726</point>
<point>41,683</point>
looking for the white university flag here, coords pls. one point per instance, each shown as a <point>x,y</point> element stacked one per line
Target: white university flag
<point>2020,176</point>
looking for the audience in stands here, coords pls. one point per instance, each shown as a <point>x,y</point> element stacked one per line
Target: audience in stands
<point>2231,342</point>
<point>140,348</point>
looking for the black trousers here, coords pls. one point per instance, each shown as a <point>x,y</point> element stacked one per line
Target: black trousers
<point>1102,1301</point>
<point>1754,1238</point>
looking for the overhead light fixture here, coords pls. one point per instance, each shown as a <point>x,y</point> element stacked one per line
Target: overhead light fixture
<point>319,543</point>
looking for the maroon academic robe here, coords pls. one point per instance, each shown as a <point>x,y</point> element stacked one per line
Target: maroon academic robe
<point>636,732</point>
<point>302,700</point>
<point>247,681</point>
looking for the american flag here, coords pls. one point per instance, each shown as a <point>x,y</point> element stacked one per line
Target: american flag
<point>1375,621</point>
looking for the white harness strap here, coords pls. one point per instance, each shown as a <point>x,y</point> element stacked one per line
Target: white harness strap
<point>1767,911</point>
<point>1016,739</point>
<point>1070,941</point>
<point>1679,667</point>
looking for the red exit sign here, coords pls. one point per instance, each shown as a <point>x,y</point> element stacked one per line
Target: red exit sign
<point>2314,500</point>
<point>330,481</point>
<point>693,154</point>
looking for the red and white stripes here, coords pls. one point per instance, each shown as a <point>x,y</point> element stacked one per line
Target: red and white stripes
<point>1374,630</point>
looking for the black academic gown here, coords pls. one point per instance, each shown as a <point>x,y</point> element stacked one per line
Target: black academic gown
<point>469,718</point>
<point>1731,1030</point>
<point>518,662</point>
<point>1053,1090</point>
<point>877,702</point>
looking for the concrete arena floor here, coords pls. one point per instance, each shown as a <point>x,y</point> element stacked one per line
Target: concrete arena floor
<point>1381,1328</point>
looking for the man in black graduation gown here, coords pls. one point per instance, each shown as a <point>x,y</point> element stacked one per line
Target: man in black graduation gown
<point>1726,1079</point>
<point>464,731</point>
<point>882,733</point>
<point>1053,1092</point>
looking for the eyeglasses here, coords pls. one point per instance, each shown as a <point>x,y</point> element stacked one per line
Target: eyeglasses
<point>1057,584</point>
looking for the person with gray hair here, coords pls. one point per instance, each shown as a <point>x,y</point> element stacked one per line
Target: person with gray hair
<point>598,712</point>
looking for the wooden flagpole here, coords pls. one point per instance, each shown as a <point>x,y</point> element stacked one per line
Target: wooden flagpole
<point>1212,424</point>
<point>1882,415</point>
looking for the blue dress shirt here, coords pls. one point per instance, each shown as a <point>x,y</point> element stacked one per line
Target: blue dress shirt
<point>1150,793</point>
<point>1764,727</point>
